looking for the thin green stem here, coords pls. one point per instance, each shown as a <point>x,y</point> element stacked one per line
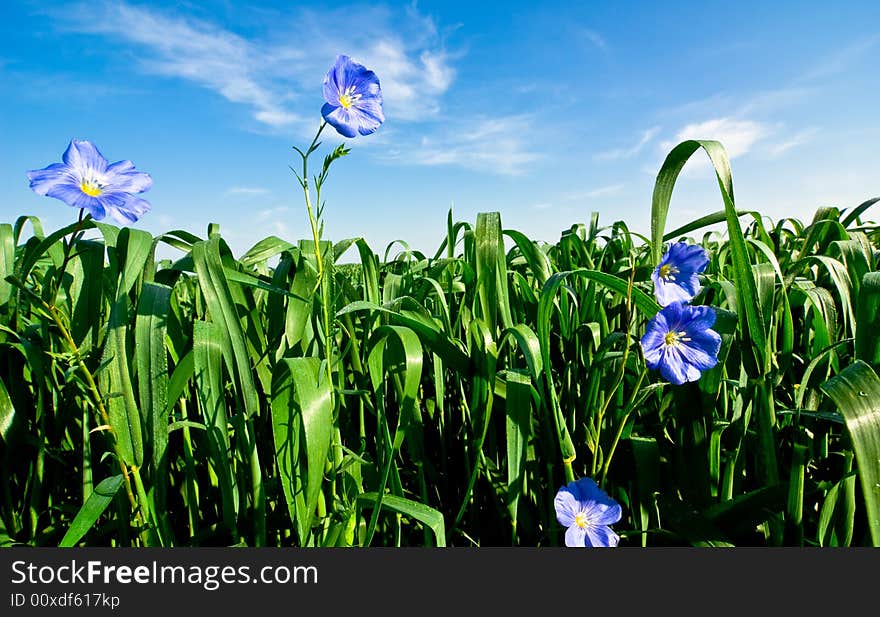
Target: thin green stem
<point>57,318</point>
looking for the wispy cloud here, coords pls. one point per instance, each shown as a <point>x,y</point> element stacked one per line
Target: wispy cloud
<point>631,151</point>
<point>596,39</point>
<point>495,145</point>
<point>266,75</point>
<point>247,190</point>
<point>602,191</point>
<point>275,220</point>
<point>736,135</point>
<point>798,139</point>
<point>841,59</point>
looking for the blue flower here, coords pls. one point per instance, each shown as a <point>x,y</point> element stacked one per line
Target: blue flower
<point>587,511</point>
<point>675,277</point>
<point>680,342</point>
<point>85,180</point>
<point>354,98</point>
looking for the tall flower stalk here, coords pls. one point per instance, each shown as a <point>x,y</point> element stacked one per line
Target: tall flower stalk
<point>353,106</point>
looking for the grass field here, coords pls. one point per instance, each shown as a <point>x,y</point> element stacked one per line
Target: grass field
<point>406,399</point>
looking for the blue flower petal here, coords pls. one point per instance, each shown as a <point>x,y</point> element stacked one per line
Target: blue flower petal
<point>675,370</point>
<point>123,177</point>
<point>700,319</point>
<point>341,119</point>
<point>669,292</point>
<point>575,536</point>
<point>702,350</point>
<point>370,115</point>
<point>127,209</point>
<point>44,180</point>
<point>83,155</point>
<point>605,513</point>
<point>585,490</point>
<point>683,283</point>
<point>601,536</point>
<point>672,368</point>
<point>652,342</point>
<point>566,507</point>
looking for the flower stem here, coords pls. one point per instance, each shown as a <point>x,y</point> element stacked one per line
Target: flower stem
<point>56,316</point>
<point>319,261</point>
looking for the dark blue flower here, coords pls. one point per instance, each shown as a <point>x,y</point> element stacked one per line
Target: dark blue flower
<point>587,511</point>
<point>85,180</point>
<point>354,98</point>
<point>680,342</point>
<point>675,277</point>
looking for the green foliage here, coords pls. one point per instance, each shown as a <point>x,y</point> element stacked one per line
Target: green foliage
<point>286,398</point>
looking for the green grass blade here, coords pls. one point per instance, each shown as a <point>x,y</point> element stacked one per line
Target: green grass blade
<point>221,307</point>
<point>491,266</point>
<point>856,392</point>
<point>209,383</point>
<point>7,261</point>
<point>7,412</point>
<point>91,510</point>
<point>429,516</point>
<point>518,406</point>
<point>868,319</point>
<point>152,367</point>
<point>302,422</point>
<point>858,211</point>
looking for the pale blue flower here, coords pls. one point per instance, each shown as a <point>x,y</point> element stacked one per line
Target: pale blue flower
<point>680,342</point>
<point>676,276</point>
<point>354,98</point>
<point>85,180</point>
<point>587,511</point>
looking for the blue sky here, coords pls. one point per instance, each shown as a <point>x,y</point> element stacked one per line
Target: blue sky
<point>545,112</point>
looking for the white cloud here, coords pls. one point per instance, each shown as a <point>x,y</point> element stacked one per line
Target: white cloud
<point>270,213</point>
<point>737,136</point>
<point>625,153</point>
<point>798,139</point>
<point>247,190</point>
<point>602,191</point>
<point>494,145</point>
<point>267,74</point>
<point>841,59</point>
<point>193,50</point>
<point>411,88</point>
<point>596,39</point>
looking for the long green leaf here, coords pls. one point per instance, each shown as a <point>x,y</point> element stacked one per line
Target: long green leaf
<point>91,510</point>
<point>302,423</point>
<point>856,392</point>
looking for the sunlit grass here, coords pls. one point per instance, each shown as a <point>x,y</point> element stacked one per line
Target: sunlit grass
<point>186,402</point>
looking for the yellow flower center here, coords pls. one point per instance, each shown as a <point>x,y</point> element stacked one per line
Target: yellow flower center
<point>674,339</point>
<point>90,188</point>
<point>348,97</point>
<point>581,520</point>
<point>668,272</point>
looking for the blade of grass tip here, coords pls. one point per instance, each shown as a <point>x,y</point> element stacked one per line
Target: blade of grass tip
<point>7,262</point>
<point>858,211</point>
<point>425,514</point>
<point>492,270</point>
<point>856,392</point>
<point>91,510</point>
